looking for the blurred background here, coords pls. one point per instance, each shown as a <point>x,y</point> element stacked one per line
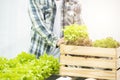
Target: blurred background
<point>101,17</point>
<point>14,27</point>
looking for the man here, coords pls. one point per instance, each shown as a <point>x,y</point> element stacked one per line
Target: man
<point>43,39</point>
<point>45,36</point>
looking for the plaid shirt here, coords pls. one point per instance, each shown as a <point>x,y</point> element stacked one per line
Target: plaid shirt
<point>71,12</point>
<point>42,14</point>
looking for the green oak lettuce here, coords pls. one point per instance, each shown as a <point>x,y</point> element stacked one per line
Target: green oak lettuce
<point>107,42</point>
<point>75,34</point>
<point>27,67</point>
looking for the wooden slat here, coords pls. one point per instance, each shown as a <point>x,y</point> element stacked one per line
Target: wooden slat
<point>118,57</point>
<point>118,63</point>
<point>91,51</point>
<point>118,52</point>
<point>118,75</point>
<point>113,62</point>
<point>90,62</point>
<point>93,73</point>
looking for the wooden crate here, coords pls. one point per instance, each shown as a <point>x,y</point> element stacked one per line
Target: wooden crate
<point>90,62</point>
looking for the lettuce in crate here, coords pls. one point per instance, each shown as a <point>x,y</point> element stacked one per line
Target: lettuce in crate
<point>75,34</point>
<point>107,42</point>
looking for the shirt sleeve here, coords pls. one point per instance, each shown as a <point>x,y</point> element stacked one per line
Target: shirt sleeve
<point>39,25</point>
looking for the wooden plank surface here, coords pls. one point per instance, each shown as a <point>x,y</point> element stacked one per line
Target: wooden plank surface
<point>118,57</point>
<point>91,51</point>
<point>90,62</point>
<point>118,52</point>
<point>92,73</point>
<point>118,74</point>
<point>118,63</point>
<point>112,63</point>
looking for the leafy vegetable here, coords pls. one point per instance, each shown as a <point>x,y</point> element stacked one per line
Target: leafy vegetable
<point>108,42</point>
<point>3,64</point>
<point>27,67</point>
<point>77,35</point>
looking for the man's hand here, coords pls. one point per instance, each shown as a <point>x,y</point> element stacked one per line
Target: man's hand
<point>60,41</point>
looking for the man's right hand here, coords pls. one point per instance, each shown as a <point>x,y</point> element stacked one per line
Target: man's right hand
<point>60,41</point>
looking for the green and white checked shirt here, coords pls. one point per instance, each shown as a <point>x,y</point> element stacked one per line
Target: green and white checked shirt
<point>44,34</point>
<point>42,14</point>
